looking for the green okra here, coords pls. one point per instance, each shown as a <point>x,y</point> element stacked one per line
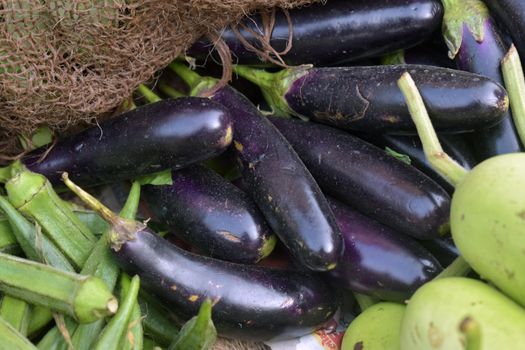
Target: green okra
<point>33,195</point>
<point>35,245</point>
<point>85,298</point>
<point>11,339</point>
<point>54,340</point>
<point>118,325</point>
<point>198,333</point>
<point>16,312</point>
<point>101,264</point>
<point>133,339</point>
<point>8,242</point>
<point>157,322</point>
<point>149,344</point>
<point>39,318</point>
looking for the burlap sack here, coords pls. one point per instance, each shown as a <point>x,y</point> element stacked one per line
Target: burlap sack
<point>67,61</point>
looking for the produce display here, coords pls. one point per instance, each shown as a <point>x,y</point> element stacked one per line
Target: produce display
<point>359,184</point>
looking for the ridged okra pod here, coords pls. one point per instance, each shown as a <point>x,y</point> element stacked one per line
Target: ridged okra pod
<point>16,312</point>
<point>10,338</point>
<point>85,298</point>
<point>33,195</point>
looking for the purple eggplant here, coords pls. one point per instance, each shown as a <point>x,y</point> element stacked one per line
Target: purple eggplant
<point>442,248</point>
<point>210,213</point>
<point>250,302</point>
<point>335,32</point>
<point>511,15</point>
<point>168,134</point>
<point>277,180</point>
<point>454,145</point>
<point>369,180</point>
<point>478,46</point>
<point>367,99</point>
<point>379,261</point>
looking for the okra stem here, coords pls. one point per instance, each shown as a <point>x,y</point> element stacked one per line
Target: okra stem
<point>470,328</point>
<point>10,338</point>
<point>364,301</point>
<point>85,298</point>
<point>118,325</point>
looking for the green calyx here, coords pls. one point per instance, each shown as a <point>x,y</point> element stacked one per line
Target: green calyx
<point>460,14</point>
<point>274,86</point>
<point>268,246</point>
<point>24,186</point>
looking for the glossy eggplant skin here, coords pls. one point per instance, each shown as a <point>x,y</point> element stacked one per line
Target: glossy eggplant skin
<point>511,15</point>
<point>284,190</point>
<point>454,145</point>
<point>369,180</point>
<point>171,133</point>
<point>251,302</point>
<point>443,248</point>
<point>379,261</point>
<point>368,99</point>
<point>338,31</point>
<point>211,214</point>
<point>485,58</point>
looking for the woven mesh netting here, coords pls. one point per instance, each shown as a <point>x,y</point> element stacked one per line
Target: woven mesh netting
<point>63,62</point>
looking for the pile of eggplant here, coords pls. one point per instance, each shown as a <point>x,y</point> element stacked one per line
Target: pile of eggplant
<point>366,158</point>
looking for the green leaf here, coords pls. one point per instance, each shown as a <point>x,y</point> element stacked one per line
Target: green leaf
<point>160,178</point>
<point>460,14</point>
<point>42,136</point>
<point>198,333</point>
<point>402,157</point>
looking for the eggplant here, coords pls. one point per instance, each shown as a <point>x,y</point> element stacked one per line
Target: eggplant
<point>511,15</point>
<point>211,214</point>
<point>443,248</point>
<point>172,133</point>
<point>367,99</point>
<point>250,302</point>
<point>454,145</point>
<point>369,180</point>
<point>334,32</point>
<point>277,180</point>
<point>478,46</point>
<point>377,260</point>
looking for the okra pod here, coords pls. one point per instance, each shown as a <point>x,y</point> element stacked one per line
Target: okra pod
<point>100,263</point>
<point>133,339</point>
<point>85,298</point>
<point>40,317</point>
<point>12,339</point>
<point>35,245</point>
<point>8,242</point>
<point>110,336</point>
<point>16,312</point>
<point>158,324</point>
<point>198,333</point>
<point>33,195</point>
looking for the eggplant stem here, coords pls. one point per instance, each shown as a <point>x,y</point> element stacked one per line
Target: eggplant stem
<point>515,85</point>
<point>364,301</point>
<point>150,96</point>
<point>459,267</point>
<point>170,90</point>
<point>439,160</point>
<point>470,328</point>
<point>190,77</point>
<point>106,213</point>
<point>259,77</point>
